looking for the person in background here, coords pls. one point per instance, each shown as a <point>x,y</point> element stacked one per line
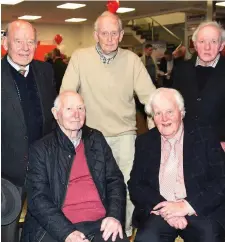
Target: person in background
<point>27,96</point>
<point>75,190</point>
<point>107,77</point>
<point>165,68</point>
<point>201,82</point>
<point>177,182</point>
<point>59,68</point>
<point>150,63</point>
<point>48,58</point>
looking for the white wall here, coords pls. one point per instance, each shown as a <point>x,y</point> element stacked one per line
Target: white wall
<point>74,36</point>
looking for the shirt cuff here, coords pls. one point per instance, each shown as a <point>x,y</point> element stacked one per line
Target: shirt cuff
<point>191,211</point>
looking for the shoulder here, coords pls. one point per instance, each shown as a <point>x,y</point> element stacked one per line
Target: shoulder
<point>130,54</point>
<point>148,137</point>
<point>41,65</point>
<point>83,52</point>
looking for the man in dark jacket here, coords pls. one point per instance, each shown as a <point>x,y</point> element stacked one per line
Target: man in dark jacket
<point>177,183</point>
<point>27,95</point>
<point>76,192</point>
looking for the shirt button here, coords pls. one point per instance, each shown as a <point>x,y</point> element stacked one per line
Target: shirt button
<point>25,137</point>
<point>199,99</point>
<point>69,156</point>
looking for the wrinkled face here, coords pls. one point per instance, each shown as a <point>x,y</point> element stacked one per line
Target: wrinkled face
<point>167,116</point>
<point>108,34</point>
<point>208,43</point>
<point>20,43</point>
<point>71,113</point>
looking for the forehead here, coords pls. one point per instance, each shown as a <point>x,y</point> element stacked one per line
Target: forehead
<point>209,32</point>
<point>21,30</point>
<point>108,23</point>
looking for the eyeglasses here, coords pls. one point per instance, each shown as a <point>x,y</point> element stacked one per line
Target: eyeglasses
<point>20,43</point>
<point>105,34</point>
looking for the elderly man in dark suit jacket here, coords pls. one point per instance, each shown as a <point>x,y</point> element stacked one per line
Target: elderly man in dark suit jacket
<point>177,183</point>
<point>202,81</point>
<point>27,97</point>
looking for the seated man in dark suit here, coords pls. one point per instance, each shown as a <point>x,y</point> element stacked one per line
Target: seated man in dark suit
<point>76,192</point>
<point>177,183</point>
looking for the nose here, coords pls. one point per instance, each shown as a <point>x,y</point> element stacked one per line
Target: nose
<point>207,46</point>
<point>25,46</point>
<point>109,37</point>
<point>164,117</point>
<point>76,114</point>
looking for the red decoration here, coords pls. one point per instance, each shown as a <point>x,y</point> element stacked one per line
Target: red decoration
<point>39,42</point>
<point>58,39</point>
<point>113,5</point>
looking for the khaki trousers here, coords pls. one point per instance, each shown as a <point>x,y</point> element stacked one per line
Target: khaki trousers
<point>123,147</point>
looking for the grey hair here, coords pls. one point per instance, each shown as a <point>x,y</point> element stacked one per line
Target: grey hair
<point>57,103</point>
<point>7,30</point>
<point>107,13</point>
<point>178,98</point>
<point>209,23</point>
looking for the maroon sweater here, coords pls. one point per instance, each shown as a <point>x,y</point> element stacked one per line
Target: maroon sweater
<point>82,202</point>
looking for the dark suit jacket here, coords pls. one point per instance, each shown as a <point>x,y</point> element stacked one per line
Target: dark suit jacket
<point>204,173</point>
<point>209,104</point>
<point>14,145</point>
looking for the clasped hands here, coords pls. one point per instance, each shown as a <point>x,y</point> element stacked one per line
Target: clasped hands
<point>110,227</point>
<point>172,212</point>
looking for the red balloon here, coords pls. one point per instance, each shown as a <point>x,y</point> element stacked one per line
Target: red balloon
<point>58,39</point>
<point>113,5</point>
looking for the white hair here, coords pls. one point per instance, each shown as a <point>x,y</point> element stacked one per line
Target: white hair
<point>57,102</point>
<point>174,93</point>
<point>107,13</point>
<point>209,23</point>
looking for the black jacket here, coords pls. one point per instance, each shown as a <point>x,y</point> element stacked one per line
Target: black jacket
<point>208,104</point>
<point>204,173</point>
<point>49,167</point>
<point>14,137</point>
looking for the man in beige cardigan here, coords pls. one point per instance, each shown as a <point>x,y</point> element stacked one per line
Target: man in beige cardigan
<point>107,78</point>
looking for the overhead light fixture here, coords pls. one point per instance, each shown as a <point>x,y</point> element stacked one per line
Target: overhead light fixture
<point>221,4</point>
<point>71,5</point>
<point>75,20</point>
<point>125,10</point>
<point>29,17</point>
<point>11,2</point>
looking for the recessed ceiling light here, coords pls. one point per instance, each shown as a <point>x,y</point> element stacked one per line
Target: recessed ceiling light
<point>221,4</point>
<point>75,20</point>
<point>71,5</point>
<point>11,2</point>
<point>125,10</point>
<point>29,17</point>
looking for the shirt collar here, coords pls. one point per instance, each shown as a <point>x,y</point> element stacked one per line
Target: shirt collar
<point>106,59</point>
<point>76,141</point>
<point>210,64</point>
<point>16,66</point>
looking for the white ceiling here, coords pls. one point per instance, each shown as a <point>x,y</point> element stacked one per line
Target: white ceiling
<point>52,15</point>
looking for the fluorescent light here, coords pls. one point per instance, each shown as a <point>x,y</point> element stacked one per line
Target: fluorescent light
<point>125,10</point>
<point>75,20</point>
<point>11,2</point>
<point>221,4</point>
<point>29,17</point>
<point>71,5</point>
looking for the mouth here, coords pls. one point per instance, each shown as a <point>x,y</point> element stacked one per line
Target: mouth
<point>167,125</point>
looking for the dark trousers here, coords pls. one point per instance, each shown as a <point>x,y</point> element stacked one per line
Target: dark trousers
<point>156,229</point>
<point>10,232</point>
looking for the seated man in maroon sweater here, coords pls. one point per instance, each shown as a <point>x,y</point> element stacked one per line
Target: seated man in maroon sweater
<point>76,192</point>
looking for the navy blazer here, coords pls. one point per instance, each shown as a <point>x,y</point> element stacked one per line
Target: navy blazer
<point>204,173</point>
<point>14,145</point>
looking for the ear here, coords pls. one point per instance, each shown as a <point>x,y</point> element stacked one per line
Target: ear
<point>55,113</point>
<point>121,35</point>
<point>5,43</point>
<point>222,45</point>
<point>96,36</point>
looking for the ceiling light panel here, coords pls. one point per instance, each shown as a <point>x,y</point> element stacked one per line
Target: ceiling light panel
<point>71,5</point>
<point>29,17</point>
<point>11,2</point>
<point>221,4</point>
<point>125,10</point>
<point>75,20</point>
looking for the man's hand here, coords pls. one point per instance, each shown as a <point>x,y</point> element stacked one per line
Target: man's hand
<point>111,226</point>
<point>223,145</point>
<point>76,236</point>
<point>178,222</point>
<point>171,209</point>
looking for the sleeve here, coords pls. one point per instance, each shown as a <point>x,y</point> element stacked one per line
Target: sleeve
<point>115,186</point>
<point>213,194</point>
<point>71,78</point>
<point>40,203</point>
<point>143,85</point>
<point>142,194</point>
